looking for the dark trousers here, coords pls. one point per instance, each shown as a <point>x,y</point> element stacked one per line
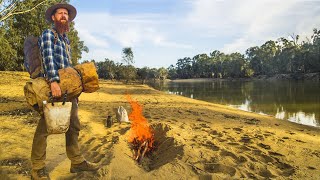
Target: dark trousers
<point>39,145</point>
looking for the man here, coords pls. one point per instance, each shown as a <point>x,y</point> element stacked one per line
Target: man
<point>55,50</point>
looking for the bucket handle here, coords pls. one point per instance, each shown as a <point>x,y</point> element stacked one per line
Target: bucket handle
<point>64,98</point>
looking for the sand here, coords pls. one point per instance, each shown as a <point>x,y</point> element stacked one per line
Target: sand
<point>194,139</point>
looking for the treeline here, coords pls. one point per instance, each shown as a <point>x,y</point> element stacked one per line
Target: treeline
<point>14,29</point>
<point>273,57</point>
<point>109,69</point>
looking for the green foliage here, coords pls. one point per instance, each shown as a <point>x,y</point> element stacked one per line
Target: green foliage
<point>143,74</point>
<point>127,55</point>
<point>7,54</point>
<point>16,28</point>
<point>127,73</point>
<point>163,73</point>
<point>107,69</point>
<point>172,72</point>
<point>77,46</point>
<point>273,57</point>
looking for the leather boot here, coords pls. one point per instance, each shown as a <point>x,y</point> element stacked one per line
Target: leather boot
<point>40,174</point>
<point>84,166</point>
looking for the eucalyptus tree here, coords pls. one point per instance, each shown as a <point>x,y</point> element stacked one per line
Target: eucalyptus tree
<point>106,69</point>
<point>201,66</point>
<point>236,66</point>
<point>77,46</point>
<point>172,72</point>
<point>163,73</point>
<point>153,73</point>
<point>216,61</point>
<point>7,52</point>
<point>314,62</point>
<point>143,74</point>
<point>184,68</point>
<point>17,26</point>
<point>127,55</point>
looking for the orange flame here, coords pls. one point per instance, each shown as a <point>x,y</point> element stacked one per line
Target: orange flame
<point>140,129</point>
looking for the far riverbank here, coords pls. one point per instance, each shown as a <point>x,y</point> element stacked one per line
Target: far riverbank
<point>300,76</point>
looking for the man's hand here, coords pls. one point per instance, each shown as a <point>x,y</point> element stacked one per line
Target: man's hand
<point>55,89</point>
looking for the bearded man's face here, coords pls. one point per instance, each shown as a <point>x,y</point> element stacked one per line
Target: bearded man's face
<point>61,20</point>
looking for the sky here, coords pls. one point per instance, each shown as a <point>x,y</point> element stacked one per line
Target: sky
<point>162,31</point>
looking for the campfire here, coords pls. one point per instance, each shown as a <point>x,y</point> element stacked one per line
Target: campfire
<point>141,135</point>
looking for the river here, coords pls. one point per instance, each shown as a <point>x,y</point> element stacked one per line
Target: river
<point>296,101</point>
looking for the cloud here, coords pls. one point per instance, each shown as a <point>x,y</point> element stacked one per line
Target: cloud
<point>99,54</point>
<point>91,38</point>
<point>131,30</point>
<point>164,43</point>
<point>249,23</point>
<point>193,27</point>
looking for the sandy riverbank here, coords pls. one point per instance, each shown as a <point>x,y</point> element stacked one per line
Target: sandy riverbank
<point>195,139</point>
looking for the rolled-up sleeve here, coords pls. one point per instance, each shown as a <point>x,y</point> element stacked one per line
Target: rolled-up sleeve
<point>46,43</point>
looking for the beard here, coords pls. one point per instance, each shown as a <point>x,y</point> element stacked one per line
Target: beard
<point>62,27</point>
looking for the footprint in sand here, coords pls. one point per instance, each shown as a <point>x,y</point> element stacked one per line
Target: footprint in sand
<point>266,174</point>
<point>291,133</point>
<point>174,120</point>
<point>220,168</point>
<point>286,169</point>
<point>204,125</point>
<point>92,154</point>
<point>90,140</point>
<point>122,131</point>
<point>311,168</point>
<point>231,139</point>
<point>259,136</point>
<point>316,153</point>
<point>265,158</point>
<point>239,129</point>
<point>245,139</point>
<point>264,146</point>
<point>238,160</point>
<point>216,133</point>
<point>244,148</point>
<point>271,153</point>
<point>230,116</point>
<point>298,140</point>
<point>252,121</point>
<point>97,147</point>
<point>212,146</point>
<point>233,143</point>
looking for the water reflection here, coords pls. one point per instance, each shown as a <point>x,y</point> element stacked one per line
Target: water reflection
<point>299,117</point>
<point>291,100</point>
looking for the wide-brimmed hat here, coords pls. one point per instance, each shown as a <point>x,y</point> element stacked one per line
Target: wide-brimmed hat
<point>72,11</point>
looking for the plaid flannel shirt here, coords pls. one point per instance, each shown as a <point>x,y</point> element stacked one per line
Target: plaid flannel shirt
<point>54,55</point>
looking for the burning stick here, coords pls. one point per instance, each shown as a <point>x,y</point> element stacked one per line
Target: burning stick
<point>144,151</point>
<point>139,149</point>
<point>138,156</point>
